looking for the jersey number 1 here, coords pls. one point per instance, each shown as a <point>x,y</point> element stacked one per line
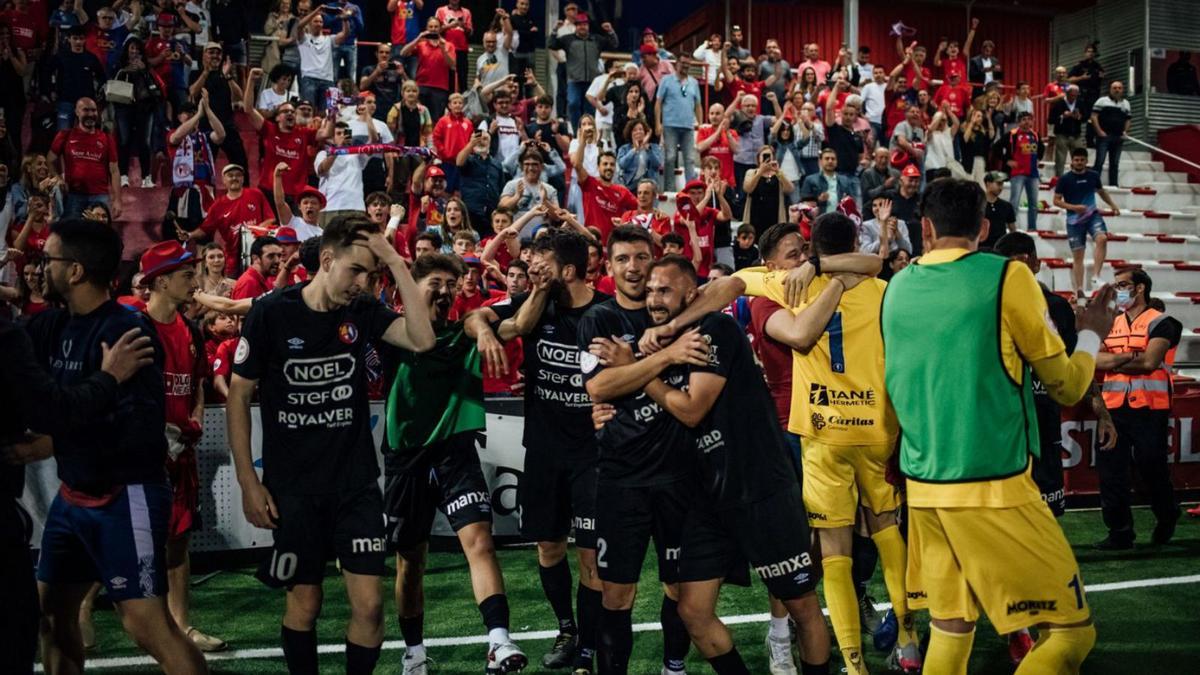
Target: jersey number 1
<point>837,355</point>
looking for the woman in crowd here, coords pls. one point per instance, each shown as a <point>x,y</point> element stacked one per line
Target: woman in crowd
<point>787,150</point>
<point>456,221</point>
<point>135,120</point>
<point>765,190</point>
<point>807,86</point>
<point>898,260</point>
<point>639,158</point>
<point>631,106</point>
<point>279,24</point>
<point>975,141</point>
<point>939,143</point>
<point>212,271</point>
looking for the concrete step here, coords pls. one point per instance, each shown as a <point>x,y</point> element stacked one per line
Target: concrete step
<point>1189,346</point>
<point>1126,164</point>
<point>1129,222</point>
<point>1168,277</point>
<point>1125,247</point>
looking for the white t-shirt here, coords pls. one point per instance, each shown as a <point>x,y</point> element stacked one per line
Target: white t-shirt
<point>359,133</point>
<point>489,72</point>
<point>874,102</point>
<point>316,56</point>
<point>269,100</point>
<point>603,120</point>
<point>939,149</point>
<point>986,62</point>
<point>304,231</point>
<point>343,185</point>
<point>591,157</point>
<point>508,137</point>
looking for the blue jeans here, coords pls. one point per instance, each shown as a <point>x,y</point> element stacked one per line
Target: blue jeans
<point>683,140</point>
<point>312,89</point>
<point>577,103</point>
<point>345,62</point>
<point>1028,185</point>
<point>1111,146</point>
<point>74,203</point>
<point>855,189</point>
<point>65,115</point>
<point>877,129</point>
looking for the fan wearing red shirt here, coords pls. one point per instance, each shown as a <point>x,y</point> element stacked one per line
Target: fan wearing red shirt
<point>706,218</point>
<point>240,207</point>
<point>916,74</point>
<point>451,134</point>
<point>31,238</point>
<point>283,141</point>
<point>169,271</point>
<point>259,277</point>
<point>28,28</point>
<point>646,215</point>
<point>745,81</point>
<point>89,162</point>
<point>716,139</point>
<point>603,200</point>
<point>436,63</point>
<point>457,29</point>
<point>469,295</point>
<point>954,92</point>
<point>955,62</point>
<point>517,278</point>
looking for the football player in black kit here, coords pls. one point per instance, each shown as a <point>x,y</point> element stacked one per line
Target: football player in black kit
<point>558,487</point>
<point>305,346</point>
<point>751,509</point>
<point>645,471</point>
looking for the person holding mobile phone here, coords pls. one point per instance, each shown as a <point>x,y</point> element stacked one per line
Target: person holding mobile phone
<point>436,59</point>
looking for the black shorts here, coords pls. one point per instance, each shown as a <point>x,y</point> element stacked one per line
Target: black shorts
<point>626,518</point>
<point>447,479</point>
<point>314,529</point>
<point>1048,472</point>
<point>556,494</point>
<point>770,534</point>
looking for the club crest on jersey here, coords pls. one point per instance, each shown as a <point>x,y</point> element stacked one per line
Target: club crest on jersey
<point>243,351</point>
<point>348,333</point>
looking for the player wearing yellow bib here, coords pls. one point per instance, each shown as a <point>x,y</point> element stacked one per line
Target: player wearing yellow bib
<point>962,330</point>
<point>840,409</point>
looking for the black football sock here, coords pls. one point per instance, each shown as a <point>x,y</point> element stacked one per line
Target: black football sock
<point>361,660</point>
<point>864,557</point>
<point>556,584</point>
<point>494,610</point>
<point>616,640</point>
<point>412,629</point>
<point>814,668</point>
<point>300,650</point>
<point>729,663</point>
<point>676,640</point>
<point>588,602</point>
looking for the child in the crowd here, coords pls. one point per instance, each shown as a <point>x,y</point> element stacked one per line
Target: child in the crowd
<point>745,254</point>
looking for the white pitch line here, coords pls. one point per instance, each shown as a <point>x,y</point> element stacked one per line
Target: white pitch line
<point>276,652</point>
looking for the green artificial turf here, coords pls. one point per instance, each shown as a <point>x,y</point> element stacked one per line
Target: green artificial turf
<point>1142,630</point>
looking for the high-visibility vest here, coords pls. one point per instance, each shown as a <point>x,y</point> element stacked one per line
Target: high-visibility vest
<point>1143,390</point>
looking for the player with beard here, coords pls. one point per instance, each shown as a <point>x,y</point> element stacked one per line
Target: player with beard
<point>643,486</point>
<point>434,415</point>
<point>558,488</point>
<point>307,347</point>
<point>752,508</point>
<point>108,521</point>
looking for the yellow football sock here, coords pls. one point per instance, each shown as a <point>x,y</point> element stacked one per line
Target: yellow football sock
<point>948,652</point>
<point>1058,651</point>
<point>893,556</point>
<point>843,611</point>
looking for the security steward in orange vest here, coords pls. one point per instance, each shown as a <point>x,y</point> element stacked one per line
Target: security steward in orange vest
<point>1137,359</point>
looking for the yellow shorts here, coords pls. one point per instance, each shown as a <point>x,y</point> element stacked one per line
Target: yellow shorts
<point>838,477</point>
<point>1014,563</point>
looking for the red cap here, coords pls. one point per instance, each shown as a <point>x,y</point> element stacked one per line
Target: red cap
<point>648,49</point>
<point>162,258</point>
<point>435,172</point>
<point>911,171</point>
<point>696,184</point>
<point>311,191</point>
<point>287,235</point>
<point>580,17</point>
<point>898,158</point>
<point>648,31</point>
<point>472,261</point>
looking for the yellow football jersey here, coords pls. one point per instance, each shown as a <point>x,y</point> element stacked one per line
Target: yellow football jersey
<point>838,393</point>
